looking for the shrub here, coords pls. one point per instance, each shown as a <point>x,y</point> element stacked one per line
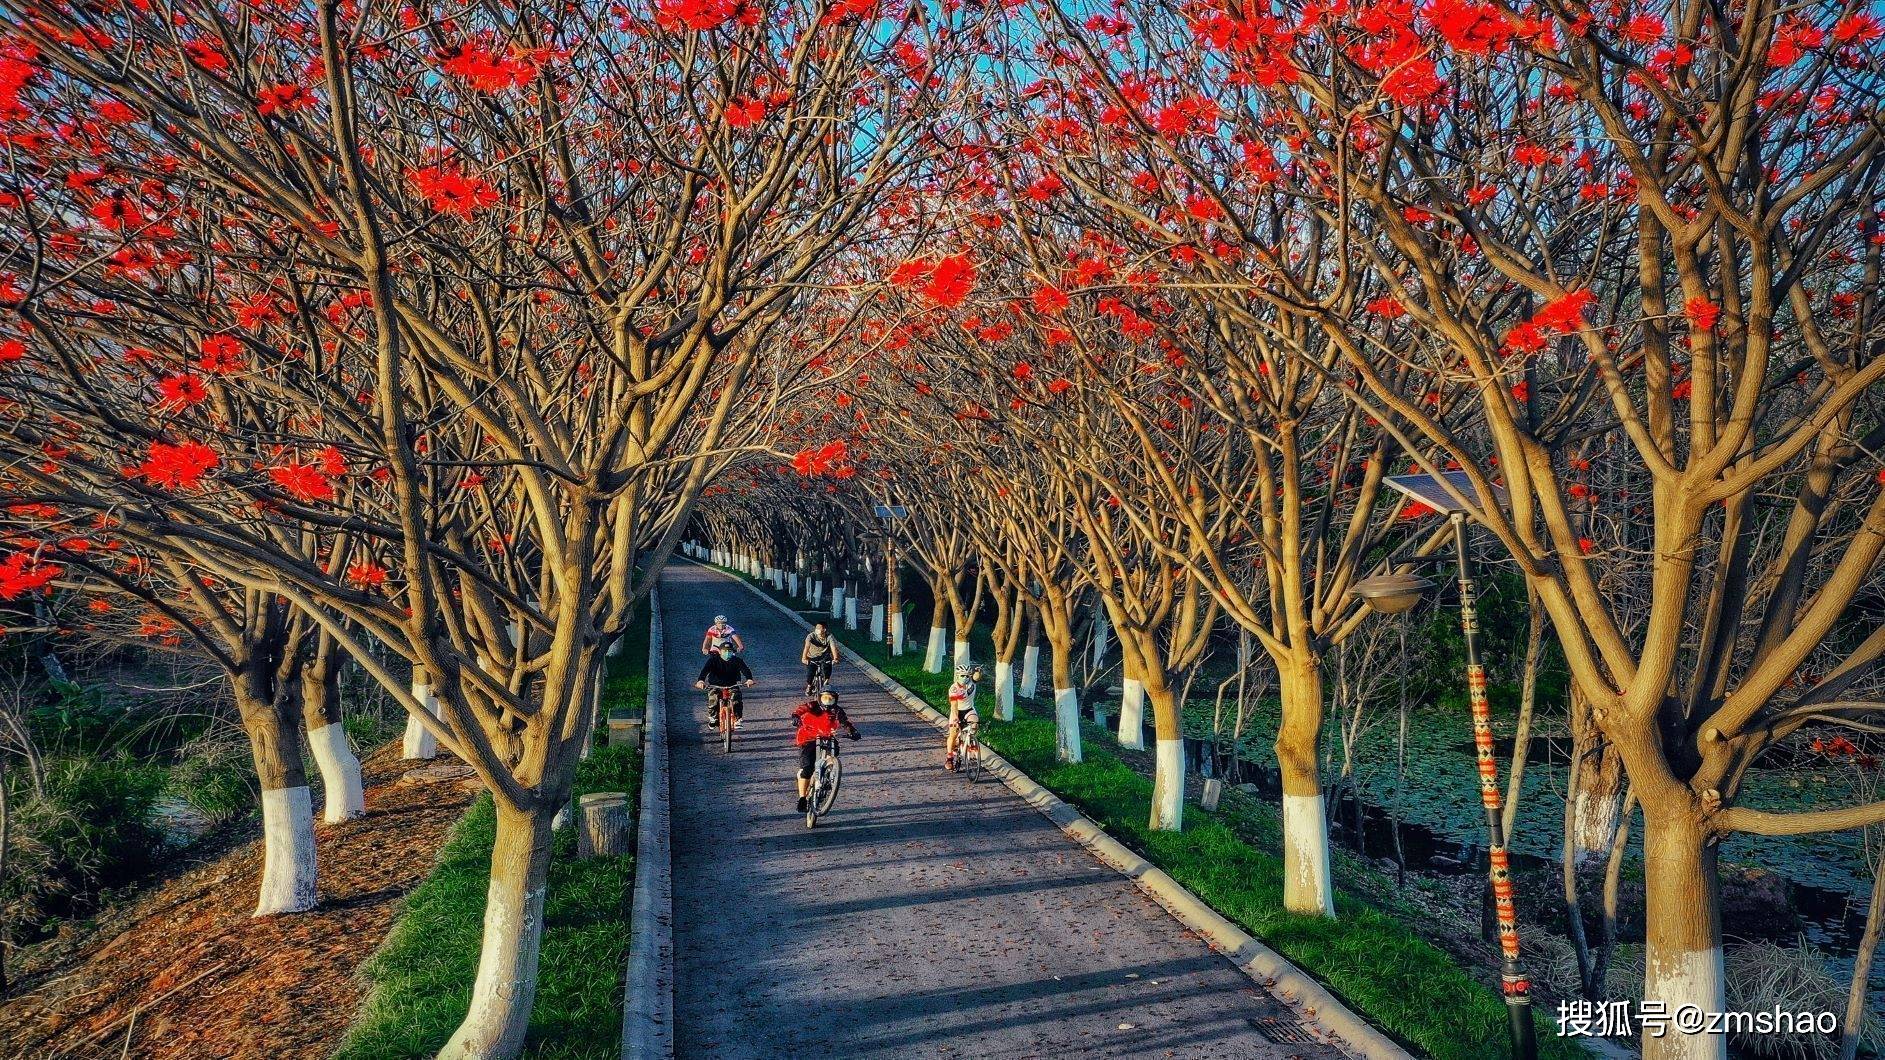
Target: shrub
<point>216,777</point>
<point>93,830</point>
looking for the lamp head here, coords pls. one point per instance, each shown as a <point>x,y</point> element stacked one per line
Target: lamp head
<point>1392,594</point>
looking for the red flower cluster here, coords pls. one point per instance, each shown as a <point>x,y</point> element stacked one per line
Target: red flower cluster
<point>1841,748</point>
<point>304,482</point>
<point>283,99</point>
<point>946,281</point>
<point>486,70</point>
<point>21,574</point>
<point>1560,316</point>
<point>449,189</point>
<point>180,466</point>
<point>1471,28</point>
<point>826,460</point>
<point>180,392</point>
<point>222,355</point>
<point>843,9</point>
<point>16,69</point>
<point>1702,313</point>
<point>1050,300</point>
<point>745,113</point>
<point>701,15</point>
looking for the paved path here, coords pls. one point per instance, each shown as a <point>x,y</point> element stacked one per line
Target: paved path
<point>924,916</point>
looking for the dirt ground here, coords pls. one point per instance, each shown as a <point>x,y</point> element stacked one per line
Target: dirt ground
<point>183,971</point>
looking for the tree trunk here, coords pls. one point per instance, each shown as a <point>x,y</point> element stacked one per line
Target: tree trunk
<point>938,633</point>
<point>287,884</point>
<point>1066,696</point>
<point>1168,772</point>
<point>1004,689</point>
<point>1132,711</point>
<point>1306,885</point>
<point>506,985</point>
<point>1595,783</point>
<point>340,768</point>
<point>1031,658</point>
<point>419,742</point>
<point>1853,1026</point>
<point>1682,913</point>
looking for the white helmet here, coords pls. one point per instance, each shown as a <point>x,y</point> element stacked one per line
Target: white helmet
<point>719,620</point>
<point>964,672</point>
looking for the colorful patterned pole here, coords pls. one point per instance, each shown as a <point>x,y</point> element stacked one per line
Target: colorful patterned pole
<point>1517,989</point>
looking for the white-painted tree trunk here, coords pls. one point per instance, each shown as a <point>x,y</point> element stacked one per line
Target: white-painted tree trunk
<point>1693,980</point>
<point>933,656</point>
<point>850,612</point>
<point>1004,690</point>
<point>1168,786</point>
<point>1030,671</point>
<point>877,623</point>
<point>287,851</point>
<point>506,983</point>
<point>837,600</point>
<point>419,742</point>
<point>818,592</point>
<point>340,774</point>
<point>962,653</point>
<point>896,633</point>
<point>1067,724</point>
<point>793,581</point>
<point>1132,715</point>
<point>1682,945</point>
<point>1306,885</point>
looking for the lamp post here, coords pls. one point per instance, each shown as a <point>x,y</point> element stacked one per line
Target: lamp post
<point>1395,593</point>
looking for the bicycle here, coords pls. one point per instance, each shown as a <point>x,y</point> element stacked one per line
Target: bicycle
<point>827,771</point>
<point>723,694</point>
<point>821,677</point>
<point>969,748</point>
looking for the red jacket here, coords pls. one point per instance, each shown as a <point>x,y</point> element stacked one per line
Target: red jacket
<point>813,724</point>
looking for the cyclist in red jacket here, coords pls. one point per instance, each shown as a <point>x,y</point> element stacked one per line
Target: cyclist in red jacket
<point>815,718</point>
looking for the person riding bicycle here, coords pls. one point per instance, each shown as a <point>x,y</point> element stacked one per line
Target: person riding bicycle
<point>724,669</point>
<point>818,653</point>
<point>817,717</point>
<point>961,709</point>
<point>721,632</point>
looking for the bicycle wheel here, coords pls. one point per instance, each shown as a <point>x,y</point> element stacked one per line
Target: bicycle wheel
<point>726,725</point>
<point>972,760</point>
<point>830,771</point>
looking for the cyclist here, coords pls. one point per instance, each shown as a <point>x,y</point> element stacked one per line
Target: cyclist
<point>817,717</point>
<point>961,708</point>
<point>721,632</point>
<point>818,653</point>
<point>724,669</point>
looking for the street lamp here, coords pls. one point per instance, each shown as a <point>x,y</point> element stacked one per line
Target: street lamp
<point>1395,593</point>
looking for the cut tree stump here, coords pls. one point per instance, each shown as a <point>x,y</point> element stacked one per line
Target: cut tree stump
<point>624,732</point>
<point>606,829</point>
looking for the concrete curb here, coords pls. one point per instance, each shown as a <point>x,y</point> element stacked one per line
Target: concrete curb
<point>1262,964</point>
<point>648,1006</point>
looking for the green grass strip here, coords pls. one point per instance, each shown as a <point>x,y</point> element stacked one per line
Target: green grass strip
<point>1399,982</point>
<point>421,978</point>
